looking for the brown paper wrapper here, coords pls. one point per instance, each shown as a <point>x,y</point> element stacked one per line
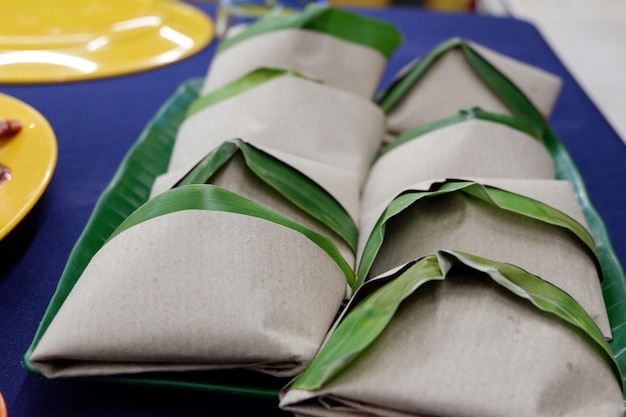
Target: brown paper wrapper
<point>336,62</point>
<point>235,176</point>
<point>329,135</point>
<point>451,84</point>
<point>462,223</point>
<point>474,148</point>
<point>467,347</point>
<point>196,290</point>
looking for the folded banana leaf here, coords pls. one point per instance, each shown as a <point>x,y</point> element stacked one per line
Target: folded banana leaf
<point>376,34</point>
<point>288,182</point>
<point>523,105</point>
<point>249,81</point>
<point>471,113</point>
<point>502,199</point>
<point>497,224</point>
<point>471,144</point>
<point>149,158</point>
<point>159,295</point>
<point>344,50</point>
<point>446,327</point>
<point>459,74</point>
<point>327,134</point>
<point>129,188</point>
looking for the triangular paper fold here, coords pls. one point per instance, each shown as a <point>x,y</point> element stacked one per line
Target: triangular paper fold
<point>162,294</point>
<point>473,148</point>
<point>449,81</point>
<point>466,346</point>
<point>459,222</point>
<point>258,279</point>
<point>315,124</point>
<point>237,177</point>
<point>334,179</point>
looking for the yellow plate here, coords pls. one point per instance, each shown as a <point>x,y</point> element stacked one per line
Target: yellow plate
<point>66,40</point>
<point>31,156</point>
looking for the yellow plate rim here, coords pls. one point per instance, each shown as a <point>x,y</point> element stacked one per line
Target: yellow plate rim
<point>22,192</point>
<point>196,27</point>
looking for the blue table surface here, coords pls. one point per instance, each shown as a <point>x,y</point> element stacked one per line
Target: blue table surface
<point>97,121</point>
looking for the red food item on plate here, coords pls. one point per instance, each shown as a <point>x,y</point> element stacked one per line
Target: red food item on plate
<point>9,128</point>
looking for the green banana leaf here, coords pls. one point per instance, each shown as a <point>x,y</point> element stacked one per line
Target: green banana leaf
<point>376,34</point>
<point>247,82</point>
<point>501,199</point>
<point>474,113</point>
<point>522,109</point>
<point>289,182</point>
<point>213,198</point>
<point>368,318</point>
<point>513,98</point>
<point>129,188</point>
<point>149,157</point>
<point>292,184</point>
<point>528,119</point>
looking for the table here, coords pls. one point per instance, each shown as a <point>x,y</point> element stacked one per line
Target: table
<point>97,121</point>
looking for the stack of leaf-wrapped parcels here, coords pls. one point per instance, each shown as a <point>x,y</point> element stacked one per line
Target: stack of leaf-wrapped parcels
<point>410,256</point>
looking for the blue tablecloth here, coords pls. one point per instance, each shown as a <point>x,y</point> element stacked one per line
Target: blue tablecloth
<point>97,121</point>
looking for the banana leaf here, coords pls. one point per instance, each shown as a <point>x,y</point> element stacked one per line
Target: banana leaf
<point>372,33</point>
<point>529,117</point>
<point>289,182</point>
<point>248,82</point>
<point>129,188</point>
<point>614,286</point>
<point>368,318</point>
<point>209,197</point>
<point>519,105</point>
<point>474,113</point>
<point>504,200</point>
<point>149,157</point>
